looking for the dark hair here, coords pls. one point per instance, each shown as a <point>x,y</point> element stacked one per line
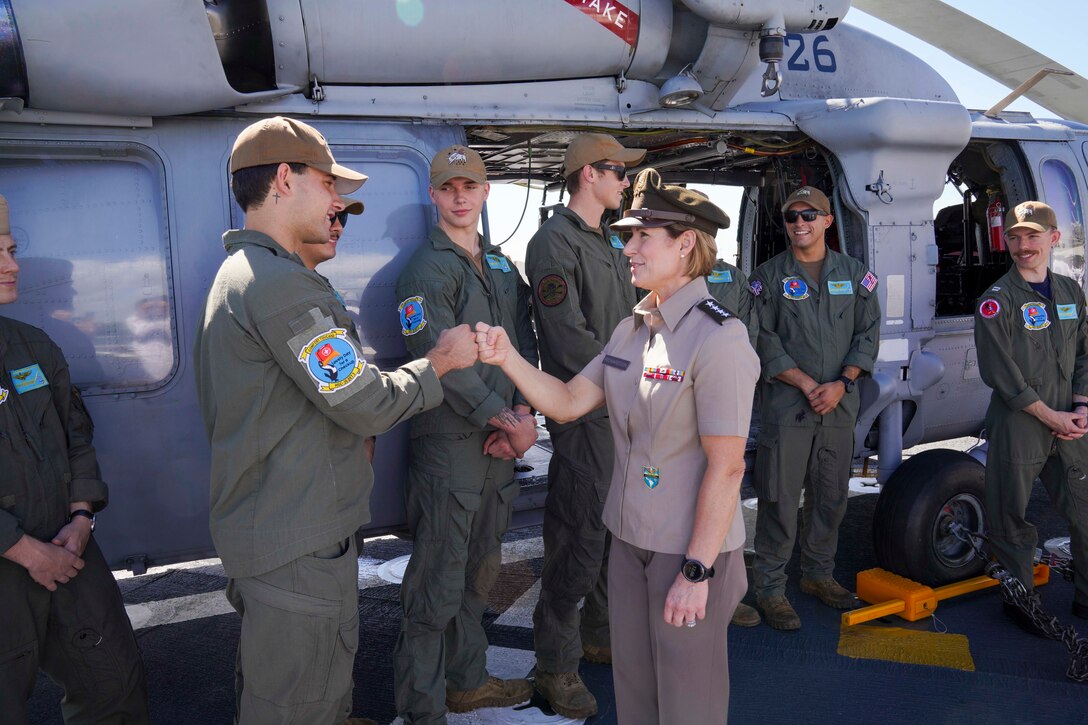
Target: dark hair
<point>251,185</point>
<point>574,182</point>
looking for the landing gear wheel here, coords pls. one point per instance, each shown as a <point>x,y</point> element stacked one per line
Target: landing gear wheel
<point>917,505</point>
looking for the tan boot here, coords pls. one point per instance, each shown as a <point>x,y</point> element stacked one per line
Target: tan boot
<point>745,616</point>
<point>830,592</point>
<point>597,655</point>
<point>779,613</point>
<point>567,694</point>
<point>493,693</point>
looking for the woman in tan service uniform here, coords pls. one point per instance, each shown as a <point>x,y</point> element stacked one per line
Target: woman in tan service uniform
<point>678,378</point>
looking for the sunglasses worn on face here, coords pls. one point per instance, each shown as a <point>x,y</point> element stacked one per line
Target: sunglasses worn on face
<point>809,215</point>
<point>342,217</point>
<point>621,171</point>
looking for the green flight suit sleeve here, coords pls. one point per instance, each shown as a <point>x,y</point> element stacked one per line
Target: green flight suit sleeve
<point>557,306</point>
<point>1080,365</point>
<point>87,483</point>
<point>524,327</point>
<point>772,354</point>
<point>465,391</point>
<point>993,344</point>
<point>736,297</point>
<point>866,333</point>
<point>363,400</point>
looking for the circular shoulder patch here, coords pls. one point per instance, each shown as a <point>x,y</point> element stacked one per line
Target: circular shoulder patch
<point>551,290</point>
<point>989,308</point>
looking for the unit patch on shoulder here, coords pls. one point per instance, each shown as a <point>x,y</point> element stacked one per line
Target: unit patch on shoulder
<point>551,290</point>
<point>869,281</point>
<point>714,310</point>
<point>29,378</point>
<point>412,318</point>
<point>794,288</point>
<point>332,360</point>
<point>989,308</point>
<point>497,261</point>
<point>756,287</point>
<point>1035,316</point>
<point>719,276</point>
<point>1067,312</point>
<point>3,395</point>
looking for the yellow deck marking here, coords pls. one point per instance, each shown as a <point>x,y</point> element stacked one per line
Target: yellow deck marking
<point>912,647</point>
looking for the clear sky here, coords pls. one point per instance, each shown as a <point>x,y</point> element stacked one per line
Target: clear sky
<point>1056,28</point>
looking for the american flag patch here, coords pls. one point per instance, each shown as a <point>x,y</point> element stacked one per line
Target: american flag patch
<point>869,281</point>
<point>670,374</point>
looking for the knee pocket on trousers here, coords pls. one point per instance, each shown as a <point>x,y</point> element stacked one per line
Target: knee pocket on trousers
<point>767,471</point>
<point>832,486</point>
<point>290,643</point>
<point>19,665</point>
<point>574,498</point>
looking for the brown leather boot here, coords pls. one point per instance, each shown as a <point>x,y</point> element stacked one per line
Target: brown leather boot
<point>830,592</point>
<point>493,693</point>
<point>745,616</point>
<point>597,655</point>
<point>566,693</point>
<point>778,612</point>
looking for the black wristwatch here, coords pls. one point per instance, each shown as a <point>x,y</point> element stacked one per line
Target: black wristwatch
<point>847,383</point>
<point>85,514</point>
<point>695,572</point>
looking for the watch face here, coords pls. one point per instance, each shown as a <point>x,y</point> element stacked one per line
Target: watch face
<point>693,571</point>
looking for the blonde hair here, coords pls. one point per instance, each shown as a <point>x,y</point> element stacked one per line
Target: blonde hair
<point>700,262</point>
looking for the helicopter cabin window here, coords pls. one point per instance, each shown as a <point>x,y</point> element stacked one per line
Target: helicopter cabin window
<point>968,223</point>
<point>1060,192</point>
<point>94,256</point>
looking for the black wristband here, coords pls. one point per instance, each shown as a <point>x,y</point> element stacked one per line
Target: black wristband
<point>85,514</point>
<point>1081,404</point>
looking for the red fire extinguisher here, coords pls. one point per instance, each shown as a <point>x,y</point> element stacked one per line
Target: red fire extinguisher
<point>995,215</point>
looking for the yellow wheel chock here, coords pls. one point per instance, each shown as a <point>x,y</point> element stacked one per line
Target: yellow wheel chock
<point>889,593</point>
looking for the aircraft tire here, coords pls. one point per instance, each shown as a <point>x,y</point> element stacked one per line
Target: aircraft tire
<point>910,525</point>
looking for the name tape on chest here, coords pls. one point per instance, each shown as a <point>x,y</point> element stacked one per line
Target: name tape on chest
<point>412,315</point>
<point>840,287</point>
<point>495,261</point>
<point>663,373</point>
<point>29,378</point>
<point>616,362</point>
<point>1067,312</point>
<point>715,311</point>
<point>719,276</point>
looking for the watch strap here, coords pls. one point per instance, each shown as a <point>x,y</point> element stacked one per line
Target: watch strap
<point>847,383</point>
<point>85,514</point>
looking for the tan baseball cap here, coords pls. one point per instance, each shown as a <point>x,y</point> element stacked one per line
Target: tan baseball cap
<point>657,204</point>
<point>352,206</point>
<point>5,223</point>
<point>589,148</point>
<point>455,162</point>
<point>1033,215</point>
<point>280,140</point>
<point>809,195</point>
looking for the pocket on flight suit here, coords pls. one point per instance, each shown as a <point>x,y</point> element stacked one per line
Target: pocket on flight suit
<point>832,487</point>
<point>573,494</point>
<point>508,492</point>
<point>296,662</point>
<point>19,668</point>
<point>767,470</point>
<point>1076,480</point>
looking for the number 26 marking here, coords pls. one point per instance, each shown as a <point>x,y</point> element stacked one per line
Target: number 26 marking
<point>823,58</point>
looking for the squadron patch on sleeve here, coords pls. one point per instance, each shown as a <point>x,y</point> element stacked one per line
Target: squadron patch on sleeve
<point>332,360</point>
<point>3,395</point>
<point>412,318</point>
<point>551,290</point>
<point>989,308</point>
<point>756,287</point>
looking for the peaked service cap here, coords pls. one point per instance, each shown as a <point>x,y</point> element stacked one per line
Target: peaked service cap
<point>657,204</point>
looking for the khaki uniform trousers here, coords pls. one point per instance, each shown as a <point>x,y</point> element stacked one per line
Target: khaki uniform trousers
<point>458,503</point>
<point>661,673</point>
<point>300,632</point>
<point>80,636</point>
<point>575,547</point>
<point>1017,454</point>
<point>816,459</point>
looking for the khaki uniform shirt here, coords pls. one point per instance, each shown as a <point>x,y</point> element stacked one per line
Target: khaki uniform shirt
<point>693,377</point>
<point>47,461</point>
<point>1031,348</point>
<point>441,288</point>
<point>287,400</point>
<point>729,286</point>
<point>581,290</point>
<point>819,327</point>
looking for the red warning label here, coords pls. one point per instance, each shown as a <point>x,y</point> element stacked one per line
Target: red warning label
<point>615,16</point>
